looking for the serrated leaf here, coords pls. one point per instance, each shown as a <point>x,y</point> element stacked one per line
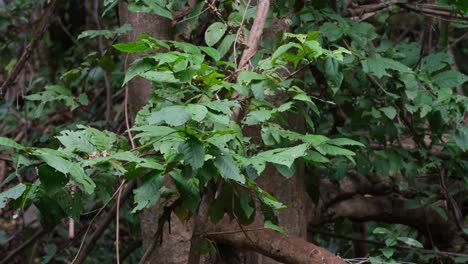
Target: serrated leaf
<point>378,66</point>
<point>194,152</point>
<point>344,142</point>
<point>189,190</point>
<point>214,33</point>
<point>326,149</point>
<point>449,79</point>
<point>12,193</point>
<point>227,167</point>
<point>148,193</point>
<point>75,141</point>
<point>257,117</point>
<point>246,77</point>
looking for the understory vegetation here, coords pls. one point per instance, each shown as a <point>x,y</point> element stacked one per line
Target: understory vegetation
<point>233,131</point>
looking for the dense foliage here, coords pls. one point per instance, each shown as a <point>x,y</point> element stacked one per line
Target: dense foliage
<point>376,100</point>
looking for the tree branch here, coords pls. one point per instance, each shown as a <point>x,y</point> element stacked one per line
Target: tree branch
<point>29,49</point>
<point>286,249</point>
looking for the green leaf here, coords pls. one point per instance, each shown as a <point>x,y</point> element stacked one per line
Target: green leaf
<point>138,67</point>
<point>461,138</point>
<point>189,190</point>
<point>75,141</point>
<point>381,230</point>
<point>389,111</point>
<point>213,53</point>
<point>148,193</point>
<point>270,225</point>
<point>174,115</point>
<point>387,252</point>
<point>196,111</point>
<point>326,149</point>
<point>410,241</point>
<point>108,34</point>
<point>449,79</point>
<point>10,143</point>
<point>194,153</point>
<point>51,179</point>
<point>214,33</point>
<point>257,117</point>
<point>378,66</point>
<point>132,47</point>
<point>331,31</point>
<point>248,76</point>
<point>160,76</point>
<point>158,9</point>
<point>344,142</point>
<point>102,140</point>
<point>12,193</point>
<point>227,167</point>
<point>284,48</point>
<point>226,44</point>
<point>314,156</point>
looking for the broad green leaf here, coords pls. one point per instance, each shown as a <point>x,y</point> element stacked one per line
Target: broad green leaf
<point>10,143</point>
<point>331,31</point>
<point>450,79</point>
<point>132,47</point>
<point>314,140</point>
<point>196,111</point>
<point>174,115</point>
<point>160,76</point>
<point>148,193</point>
<point>410,241</point>
<point>284,48</point>
<point>223,106</point>
<point>387,252</point>
<point>326,149</point>
<point>214,33</point>
<point>257,117</point>
<point>12,193</point>
<point>138,67</point>
<point>378,66</point>
<point>227,166</point>
<point>194,152</point>
<point>157,9</point>
<point>75,141</point>
<point>213,53</point>
<point>189,190</point>
<point>248,76</point>
<point>226,44</point>
<point>102,140</point>
<point>314,156</point>
<point>51,179</point>
<point>389,111</point>
<point>461,138</point>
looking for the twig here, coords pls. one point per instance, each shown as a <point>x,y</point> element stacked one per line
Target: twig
<point>435,252</point>
<point>101,52</point>
<point>18,250</point>
<point>117,224</point>
<point>29,49</point>
<point>101,226</point>
<point>452,205</point>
